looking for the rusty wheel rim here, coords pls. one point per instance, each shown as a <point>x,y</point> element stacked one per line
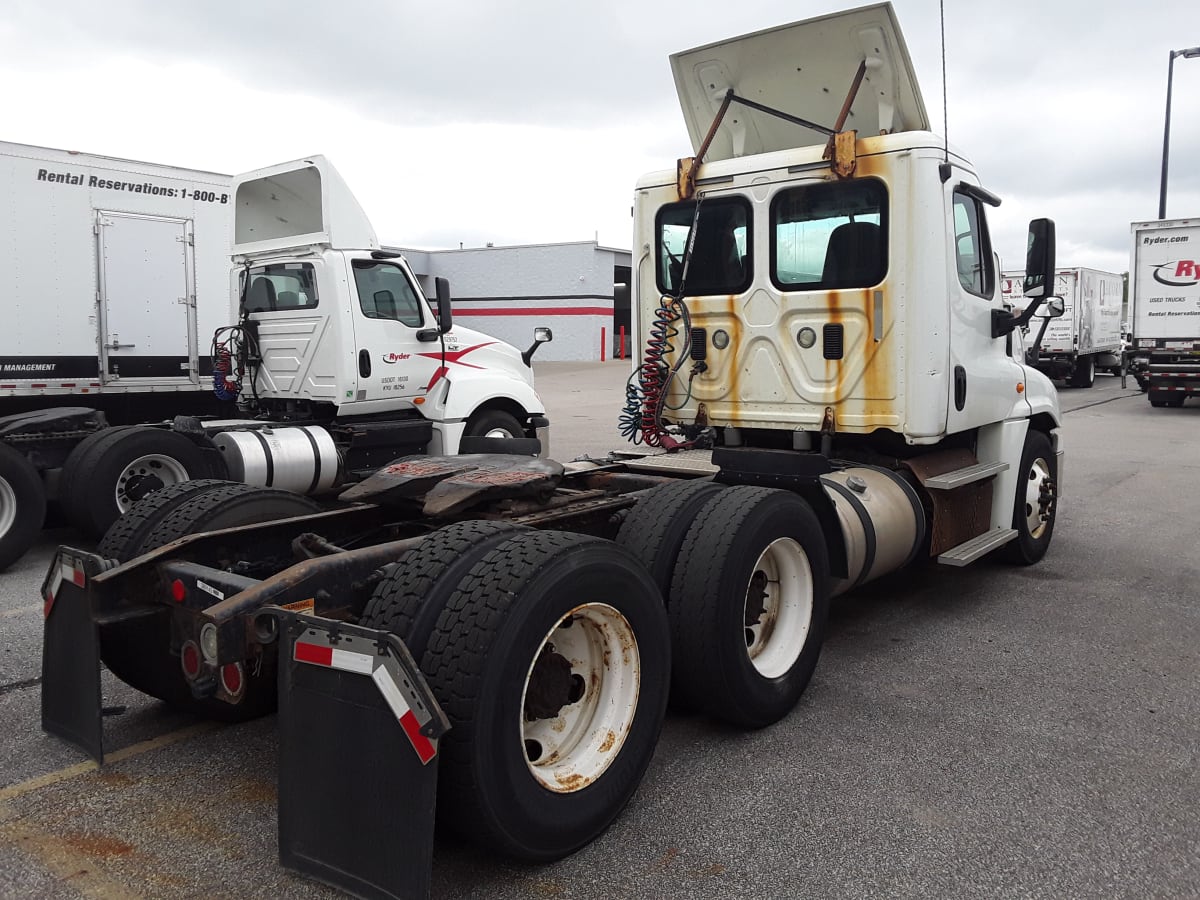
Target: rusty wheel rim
<point>778,607</point>
<point>580,697</point>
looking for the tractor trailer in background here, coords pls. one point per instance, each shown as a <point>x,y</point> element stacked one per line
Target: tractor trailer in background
<point>1164,269</point>
<point>128,364</point>
<point>1087,337</point>
<point>824,394</point>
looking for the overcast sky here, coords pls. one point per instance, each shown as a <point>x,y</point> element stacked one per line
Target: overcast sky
<point>529,122</point>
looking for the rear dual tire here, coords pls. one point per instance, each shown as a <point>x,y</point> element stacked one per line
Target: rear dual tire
<point>106,472</point>
<point>138,650</point>
<point>551,657</point>
<point>748,605</point>
<point>22,505</point>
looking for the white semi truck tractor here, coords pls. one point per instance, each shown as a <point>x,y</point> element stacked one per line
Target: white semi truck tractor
<point>332,364</point>
<point>829,394</point>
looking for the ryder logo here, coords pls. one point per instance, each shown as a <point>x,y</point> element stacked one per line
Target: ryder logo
<point>1181,273</point>
<point>392,358</point>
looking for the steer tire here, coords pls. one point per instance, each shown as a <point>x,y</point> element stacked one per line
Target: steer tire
<point>22,505</point>
<point>1037,461</point>
<point>654,530</point>
<point>486,421</point>
<point>742,538</point>
<point>409,599</point>
<point>480,664</point>
<point>124,537</point>
<point>93,473</point>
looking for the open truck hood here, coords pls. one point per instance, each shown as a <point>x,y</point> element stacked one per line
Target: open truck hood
<point>297,204</point>
<point>805,69</point>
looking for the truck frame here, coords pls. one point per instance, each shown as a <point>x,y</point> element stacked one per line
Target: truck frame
<point>824,405</point>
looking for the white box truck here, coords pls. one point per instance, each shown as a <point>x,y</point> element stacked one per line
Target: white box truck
<point>114,274</point>
<point>1164,268</point>
<point>1087,336</point>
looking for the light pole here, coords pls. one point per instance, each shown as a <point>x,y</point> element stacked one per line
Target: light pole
<point>1189,53</point>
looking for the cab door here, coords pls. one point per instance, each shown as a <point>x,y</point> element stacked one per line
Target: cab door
<point>984,378</point>
<point>389,312</point>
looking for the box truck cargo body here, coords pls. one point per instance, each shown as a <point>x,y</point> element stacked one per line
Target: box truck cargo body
<point>1087,336</point>
<point>114,275</point>
<point>1165,292</point>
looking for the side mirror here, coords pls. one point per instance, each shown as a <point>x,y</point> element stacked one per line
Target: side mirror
<point>1039,278</point>
<point>1039,259</point>
<point>541,335</point>
<point>445,314</point>
<point>1052,308</point>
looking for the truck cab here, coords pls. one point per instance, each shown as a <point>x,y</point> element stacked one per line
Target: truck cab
<point>340,327</point>
<point>835,283</point>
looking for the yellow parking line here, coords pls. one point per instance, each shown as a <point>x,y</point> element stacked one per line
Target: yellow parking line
<point>165,740</point>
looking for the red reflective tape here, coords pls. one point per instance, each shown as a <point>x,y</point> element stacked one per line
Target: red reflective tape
<point>421,744</point>
<point>47,606</point>
<point>77,577</point>
<point>38,385</point>
<point>313,653</point>
<point>466,311</point>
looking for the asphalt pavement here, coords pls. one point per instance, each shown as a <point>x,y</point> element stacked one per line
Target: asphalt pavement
<point>985,732</point>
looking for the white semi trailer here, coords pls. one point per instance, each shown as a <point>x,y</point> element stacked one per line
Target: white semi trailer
<point>827,379</point>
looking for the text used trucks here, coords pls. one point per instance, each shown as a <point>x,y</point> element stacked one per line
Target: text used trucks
<point>327,362</point>
<point>1087,336</point>
<point>826,376</point>
<point>1164,269</point>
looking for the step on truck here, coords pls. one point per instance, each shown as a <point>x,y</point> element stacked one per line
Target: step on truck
<point>1087,337</point>
<point>1164,267</point>
<point>826,394</point>
<point>324,362</point>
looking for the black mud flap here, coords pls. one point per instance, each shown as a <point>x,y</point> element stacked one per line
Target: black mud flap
<point>71,707</point>
<point>358,741</point>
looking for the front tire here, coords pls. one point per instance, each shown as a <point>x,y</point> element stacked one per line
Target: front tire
<point>1035,506</point>
<point>494,423</point>
<point>552,662</point>
<point>748,605</point>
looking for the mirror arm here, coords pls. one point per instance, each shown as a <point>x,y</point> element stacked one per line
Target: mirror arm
<point>1004,321</point>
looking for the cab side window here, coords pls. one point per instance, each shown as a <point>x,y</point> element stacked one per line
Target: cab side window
<point>973,247</point>
<point>384,292</point>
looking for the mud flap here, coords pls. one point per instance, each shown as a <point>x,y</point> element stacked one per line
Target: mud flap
<point>71,707</point>
<point>358,739</point>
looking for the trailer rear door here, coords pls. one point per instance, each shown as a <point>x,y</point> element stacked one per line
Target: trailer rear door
<point>147,298</point>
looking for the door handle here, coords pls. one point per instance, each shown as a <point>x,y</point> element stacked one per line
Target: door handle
<point>116,345</point>
<point>364,364</point>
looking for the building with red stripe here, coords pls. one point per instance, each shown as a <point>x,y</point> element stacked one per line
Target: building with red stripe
<point>579,289</point>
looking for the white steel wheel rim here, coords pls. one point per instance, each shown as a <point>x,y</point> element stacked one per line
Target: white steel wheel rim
<point>569,751</point>
<point>782,581</point>
<point>1039,475</point>
<point>498,433</point>
<point>165,468</point>
<point>8,507</point>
